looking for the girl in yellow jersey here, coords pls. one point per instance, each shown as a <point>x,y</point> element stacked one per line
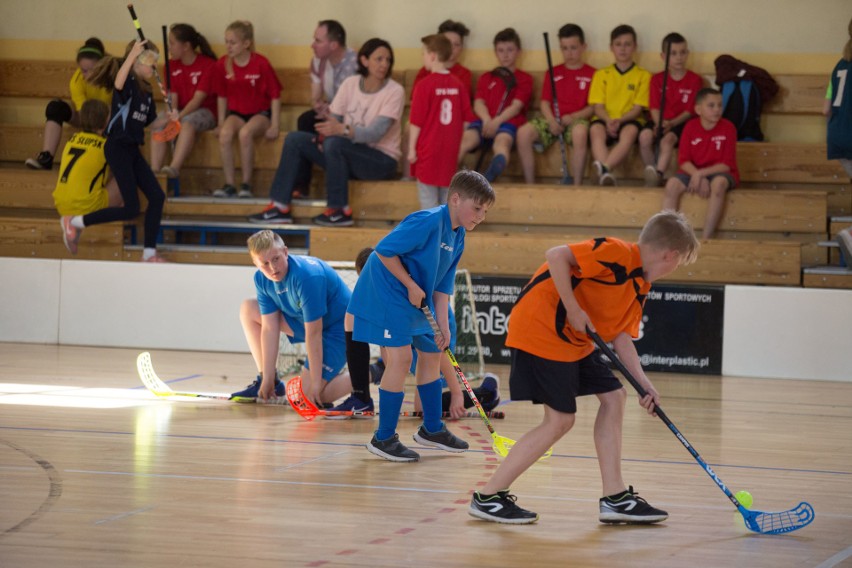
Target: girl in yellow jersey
<point>59,111</point>
<point>84,183</point>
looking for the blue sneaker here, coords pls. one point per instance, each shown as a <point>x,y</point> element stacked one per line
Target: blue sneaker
<point>354,407</point>
<point>249,394</point>
<point>490,392</point>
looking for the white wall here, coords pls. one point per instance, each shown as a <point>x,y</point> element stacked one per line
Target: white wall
<point>799,333</point>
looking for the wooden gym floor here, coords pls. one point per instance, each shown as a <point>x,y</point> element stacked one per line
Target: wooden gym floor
<point>96,472</point>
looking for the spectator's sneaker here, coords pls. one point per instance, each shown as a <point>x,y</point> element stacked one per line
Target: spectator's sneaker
<point>442,439</point>
<point>377,369</point>
<point>70,234</point>
<point>490,392</point>
<point>226,190</point>
<point>249,394</point>
<point>271,214</point>
<point>628,507</point>
<point>299,194</point>
<point>170,172</point>
<point>844,239</point>
<point>44,161</point>
<point>334,218</point>
<point>245,191</point>
<point>355,406</point>
<point>500,508</point>
<point>392,449</point>
<point>653,177</point>
<point>607,179</point>
<point>599,169</point>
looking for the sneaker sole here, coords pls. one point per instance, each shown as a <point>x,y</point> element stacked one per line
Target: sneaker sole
<point>33,164</point>
<point>651,179</point>
<point>341,224</point>
<point>607,180</point>
<point>430,443</point>
<point>474,512</point>
<point>374,450</point>
<point>619,518</point>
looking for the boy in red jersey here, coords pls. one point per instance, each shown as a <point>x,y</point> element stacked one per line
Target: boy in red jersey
<point>682,86</point>
<point>572,91</point>
<point>500,113</point>
<point>600,284</point>
<point>707,158</point>
<point>440,105</point>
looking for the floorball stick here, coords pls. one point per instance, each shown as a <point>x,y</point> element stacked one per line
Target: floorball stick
<point>758,521</point>
<point>156,385</point>
<point>172,128</point>
<point>566,175</point>
<point>501,445</point>
<point>658,128</point>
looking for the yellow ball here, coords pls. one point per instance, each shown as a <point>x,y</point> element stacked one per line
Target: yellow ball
<point>744,497</point>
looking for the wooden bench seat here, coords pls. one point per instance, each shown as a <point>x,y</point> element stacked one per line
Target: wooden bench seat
<point>520,254</point>
<point>36,234</point>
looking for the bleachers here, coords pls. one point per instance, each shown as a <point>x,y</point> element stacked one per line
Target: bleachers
<point>772,226</point>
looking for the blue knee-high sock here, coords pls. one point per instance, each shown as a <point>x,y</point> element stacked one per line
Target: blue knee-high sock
<point>390,403</point>
<point>495,168</point>
<point>430,399</point>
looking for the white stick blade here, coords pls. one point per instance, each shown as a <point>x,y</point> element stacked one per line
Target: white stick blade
<point>149,378</point>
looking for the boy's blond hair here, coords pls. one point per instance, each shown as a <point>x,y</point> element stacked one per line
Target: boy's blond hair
<point>264,240</point>
<point>471,184</point>
<point>670,230</point>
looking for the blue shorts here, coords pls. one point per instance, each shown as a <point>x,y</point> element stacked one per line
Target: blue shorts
<point>333,354</point>
<point>505,128</point>
<point>368,332</point>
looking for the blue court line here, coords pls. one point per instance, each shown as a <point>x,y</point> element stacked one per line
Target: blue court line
<point>169,382</point>
<point>349,445</point>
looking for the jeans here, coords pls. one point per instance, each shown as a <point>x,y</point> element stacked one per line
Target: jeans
<point>341,159</point>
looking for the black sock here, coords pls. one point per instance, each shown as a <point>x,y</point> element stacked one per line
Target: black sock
<point>358,359</point>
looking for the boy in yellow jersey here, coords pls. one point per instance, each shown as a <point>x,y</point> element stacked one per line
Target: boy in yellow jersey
<point>83,186</point>
<point>619,94</point>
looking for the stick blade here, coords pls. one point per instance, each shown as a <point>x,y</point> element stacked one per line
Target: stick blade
<point>149,377</point>
<point>778,523</point>
<point>297,399</point>
<point>168,133</point>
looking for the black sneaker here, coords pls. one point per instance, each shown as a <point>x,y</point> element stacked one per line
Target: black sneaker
<point>245,191</point>
<point>334,218</point>
<point>392,449</point>
<point>500,508</point>
<point>271,214</point>
<point>226,190</point>
<point>442,439</point>
<point>490,392</point>
<point>628,507</point>
<point>249,394</point>
<point>44,161</point>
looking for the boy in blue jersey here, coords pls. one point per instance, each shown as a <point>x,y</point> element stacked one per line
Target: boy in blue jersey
<point>416,262</point>
<point>304,298</point>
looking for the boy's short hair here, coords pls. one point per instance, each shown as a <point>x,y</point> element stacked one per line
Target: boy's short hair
<point>670,230</point>
<point>439,45</point>
<point>361,259</point>
<point>470,184</point>
<point>704,93</point>
<point>334,31</point>
<point>264,240</point>
<point>572,30</point>
<point>621,30</point>
<point>455,27</point>
<point>671,39</point>
<point>508,35</point>
<point>94,115</point>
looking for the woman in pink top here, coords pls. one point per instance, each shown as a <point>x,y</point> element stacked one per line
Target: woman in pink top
<point>359,140</point>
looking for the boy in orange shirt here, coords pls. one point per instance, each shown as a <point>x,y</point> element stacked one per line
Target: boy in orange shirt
<point>600,284</point>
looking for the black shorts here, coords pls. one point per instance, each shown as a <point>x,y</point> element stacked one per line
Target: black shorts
<point>556,383</point>
<point>247,117</point>
<point>677,130</point>
<point>610,141</point>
